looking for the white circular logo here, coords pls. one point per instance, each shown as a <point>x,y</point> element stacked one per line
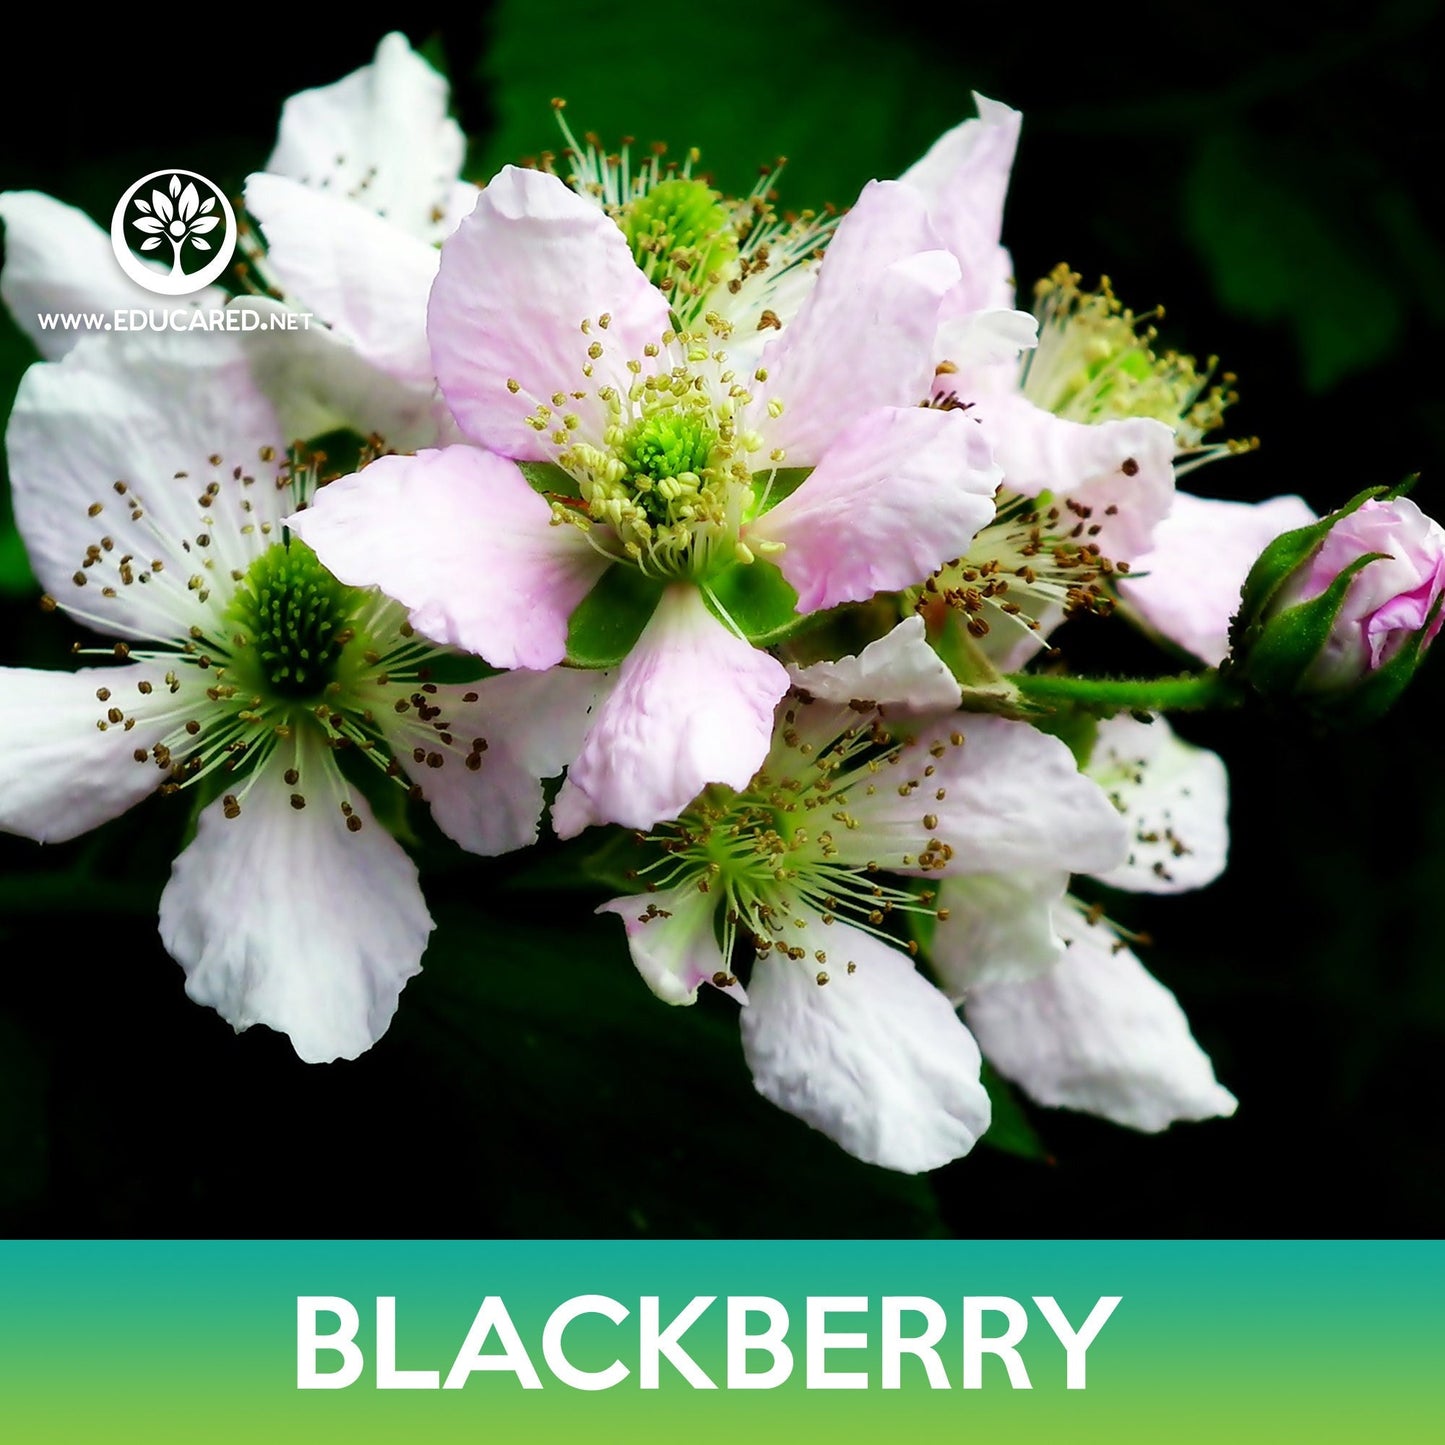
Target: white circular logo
<point>176,216</point>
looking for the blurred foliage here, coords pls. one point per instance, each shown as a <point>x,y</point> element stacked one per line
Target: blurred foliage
<point>1255,167</point>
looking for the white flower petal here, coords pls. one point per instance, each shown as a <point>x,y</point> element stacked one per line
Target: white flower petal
<point>319,382</point>
<point>1127,465</point>
<point>381,137</point>
<point>58,259</point>
<point>1000,928</point>
<point>61,774</point>
<point>1189,581</point>
<point>984,338</point>
<point>365,278</point>
<point>287,918</point>
<point>1174,797</point>
<point>459,538</point>
<point>899,671</point>
<point>1012,797</point>
<point>1100,1034</point>
<point>149,411</point>
<point>673,940</point>
<point>693,705</point>
<point>531,724</point>
<point>876,1059</point>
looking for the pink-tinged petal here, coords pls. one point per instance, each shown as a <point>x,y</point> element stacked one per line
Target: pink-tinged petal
<point>58,260</point>
<point>673,941</point>
<point>61,772</point>
<point>864,336</point>
<point>984,338</point>
<point>899,493</point>
<point>365,278</point>
<point>1127,465</point>
<point>999,929</point>
<point>1100,1034</point>
<point>1175,799</point>
<point>319,382</point>
<point>518,279</point>
<point>381,137</point>
<point>964,178</point>
<point>285,917</point>
<point>149,411</point>
<point>488,744</point>
<point>1011,797</point>
<point>1188,583</point>
<point>875,1057</point>
<point>899,672</point>
<point>461,201</point>
<point>693,705</point>
<point>459,539</point>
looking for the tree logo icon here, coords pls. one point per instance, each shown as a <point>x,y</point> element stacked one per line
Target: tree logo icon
<point>175,217</point>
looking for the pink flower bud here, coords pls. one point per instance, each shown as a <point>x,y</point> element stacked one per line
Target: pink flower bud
<point>1388,600</point>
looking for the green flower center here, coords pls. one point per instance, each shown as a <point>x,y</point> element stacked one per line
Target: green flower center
<point>292,621</point>
<point>682,237</point>
<point>665,455</point>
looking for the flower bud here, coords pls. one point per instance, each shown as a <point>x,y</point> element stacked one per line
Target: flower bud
<point>1339,613</point>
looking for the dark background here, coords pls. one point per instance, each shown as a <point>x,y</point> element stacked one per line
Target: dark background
<point>1268,179</point>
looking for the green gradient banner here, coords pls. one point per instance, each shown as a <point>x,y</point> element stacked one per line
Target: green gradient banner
<point>1255,1341</point>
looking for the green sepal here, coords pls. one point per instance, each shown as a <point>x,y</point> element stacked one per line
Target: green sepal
<point>617,863</point>
<point>1281,651</point>
<point>785,481</point>
<point>1077,728</point>
<point>761,601</point>
<point>610,618</point>
<point>340,451</point>
<point>983,687</point>
<point>1280,561</point>
<point>548,479</point>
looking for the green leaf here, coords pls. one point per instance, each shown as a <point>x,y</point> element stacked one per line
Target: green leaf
<point>544,1038</point>
<point>1282,250</point>
<point>1010,1132</point>
<point>610,618</point>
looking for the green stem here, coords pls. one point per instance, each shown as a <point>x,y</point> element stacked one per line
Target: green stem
<point>1190,692</point>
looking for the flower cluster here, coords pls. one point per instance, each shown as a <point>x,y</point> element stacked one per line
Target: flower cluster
<point>754,528</point>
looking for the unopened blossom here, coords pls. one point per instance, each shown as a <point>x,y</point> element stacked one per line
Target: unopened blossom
<point>871,780</point>
<point>813,472</point>
<point>1388,601</point>
<point>150,483</point>
<point>1058,1001</point>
